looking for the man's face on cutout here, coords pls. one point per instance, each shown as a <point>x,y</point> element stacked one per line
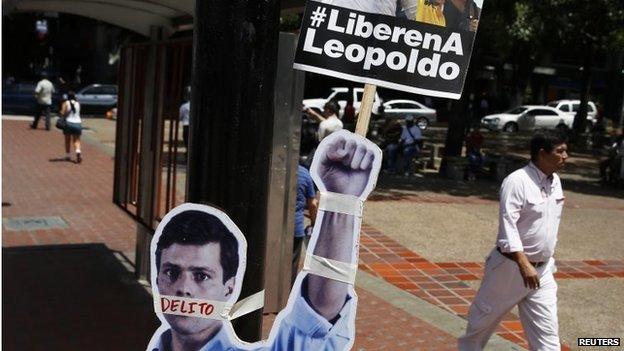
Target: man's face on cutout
<point>193,271</point>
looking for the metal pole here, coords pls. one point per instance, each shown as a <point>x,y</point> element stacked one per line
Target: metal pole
<point>231,126</point>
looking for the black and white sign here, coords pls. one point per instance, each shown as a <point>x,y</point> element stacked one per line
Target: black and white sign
<point>388,51</point>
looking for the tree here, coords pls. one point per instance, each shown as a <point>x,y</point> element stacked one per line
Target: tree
<point>591,26</point>
<point>510,30</point>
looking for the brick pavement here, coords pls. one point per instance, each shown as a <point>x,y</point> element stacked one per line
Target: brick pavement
<point>443,283</point>
<point>36,184</point>
<point>475,200</point>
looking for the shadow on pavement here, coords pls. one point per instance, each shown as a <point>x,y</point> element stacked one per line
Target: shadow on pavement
<point>592,187</point>
<point>61,159</point>
<point>397,187</point>
<point>72,297</point>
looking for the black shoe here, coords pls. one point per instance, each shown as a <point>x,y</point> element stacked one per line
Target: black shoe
<point>78,158</point>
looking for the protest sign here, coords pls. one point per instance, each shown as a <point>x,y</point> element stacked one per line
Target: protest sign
<point>364,41</point>
<point>198,259</point>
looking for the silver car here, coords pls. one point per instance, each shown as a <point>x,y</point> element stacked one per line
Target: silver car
<point>98,96</point>
<point>423,115</point>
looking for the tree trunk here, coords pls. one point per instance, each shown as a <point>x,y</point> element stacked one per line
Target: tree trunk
<point>580,120</point>
<point>460,118</point>
<point>620,124</point>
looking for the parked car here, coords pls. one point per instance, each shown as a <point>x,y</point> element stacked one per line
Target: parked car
<point>571,107</point>
<point>400,108</point>
<point>19,98</point>
<point>544,117</point>
<point>97,97</point>
<point>341,95</point>
<point>528,117</point>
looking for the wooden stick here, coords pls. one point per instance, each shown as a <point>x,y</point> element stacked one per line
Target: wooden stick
<point>366,107</point>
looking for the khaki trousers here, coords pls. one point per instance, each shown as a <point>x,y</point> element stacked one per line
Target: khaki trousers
<point>503,288</point>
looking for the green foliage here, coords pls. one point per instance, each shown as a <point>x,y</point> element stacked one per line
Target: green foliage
<point>526,24</point>
<point>596,22</point>
<point>535,27</point>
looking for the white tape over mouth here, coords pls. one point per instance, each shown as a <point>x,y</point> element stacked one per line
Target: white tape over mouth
<point>332,269</point>
<point>208,309</point>
<point>341,203</point>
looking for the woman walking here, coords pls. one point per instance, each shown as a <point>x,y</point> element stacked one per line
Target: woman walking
<point>73,126</point>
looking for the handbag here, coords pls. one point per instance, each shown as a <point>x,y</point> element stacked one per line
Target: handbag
<point>61,123</point>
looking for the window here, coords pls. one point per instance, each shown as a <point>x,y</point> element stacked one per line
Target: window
<point>517,110</point>
<point>407,105</point>
<point>93,91</point>
<point>358,96</point>
<point>542,112</point>
<point>341,96</point>
<point>109,90</point>
<point>577,106</point>
<point>565,108</point>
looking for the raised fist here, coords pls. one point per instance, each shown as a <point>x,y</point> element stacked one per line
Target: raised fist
<point>346,163</point>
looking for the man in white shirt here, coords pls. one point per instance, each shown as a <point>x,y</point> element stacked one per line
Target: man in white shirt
<point>519,271</point>
<point>43,94</point>
<point>329,120</point>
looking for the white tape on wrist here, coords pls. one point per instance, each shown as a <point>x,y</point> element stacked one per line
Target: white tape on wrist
<point>219,310</point>
<point>341,203</point>
<point>332,269</point>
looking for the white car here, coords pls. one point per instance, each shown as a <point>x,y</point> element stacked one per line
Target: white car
<point>528,117</point>
<point>341,95</point>
<point>571,107</point>
<point>400,108</point>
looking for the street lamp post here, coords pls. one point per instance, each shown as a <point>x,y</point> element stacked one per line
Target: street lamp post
<point>231,126</point>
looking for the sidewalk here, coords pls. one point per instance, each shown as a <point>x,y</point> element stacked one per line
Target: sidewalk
<point>65,243</point>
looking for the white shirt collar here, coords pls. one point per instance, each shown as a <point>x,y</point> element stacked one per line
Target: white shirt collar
<point>541,176</point>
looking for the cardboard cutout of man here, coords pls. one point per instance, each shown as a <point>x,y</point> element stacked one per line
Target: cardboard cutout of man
<point>199,258</point>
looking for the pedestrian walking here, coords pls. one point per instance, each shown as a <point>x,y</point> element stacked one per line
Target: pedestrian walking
<point>519,270</point>
<point>72,131</point>
<point>43,94</point>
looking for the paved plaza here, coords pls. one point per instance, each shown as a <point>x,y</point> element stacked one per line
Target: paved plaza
<point>421,258</point>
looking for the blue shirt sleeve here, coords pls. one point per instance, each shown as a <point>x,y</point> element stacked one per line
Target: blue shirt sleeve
<point>310,191</point>
<point>304,329</point>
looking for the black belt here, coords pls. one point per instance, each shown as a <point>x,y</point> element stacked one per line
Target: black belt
<point>510,256</point>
